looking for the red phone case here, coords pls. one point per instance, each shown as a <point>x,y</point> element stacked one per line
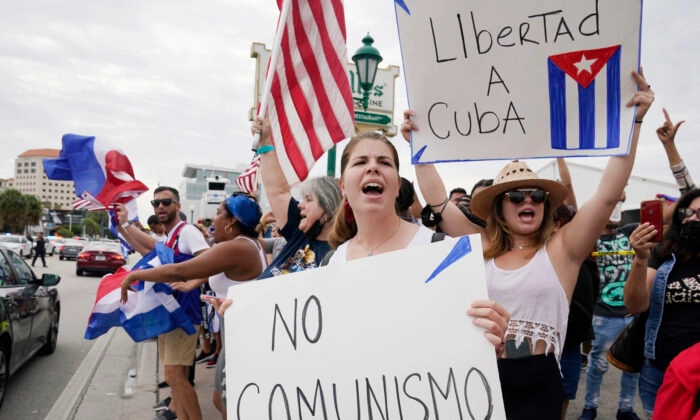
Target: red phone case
<point>652,211</point>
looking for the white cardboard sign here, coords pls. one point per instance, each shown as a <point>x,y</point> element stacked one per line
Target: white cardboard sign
<point>381,337</point>
<point>504,79</point>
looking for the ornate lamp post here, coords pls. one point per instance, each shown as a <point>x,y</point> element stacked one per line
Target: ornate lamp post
<point>366,59</point>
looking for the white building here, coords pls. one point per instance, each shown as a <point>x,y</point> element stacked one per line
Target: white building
<point>31,179</point>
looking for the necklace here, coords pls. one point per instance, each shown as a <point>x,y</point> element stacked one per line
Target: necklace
<point>371,250</point>
<point>523,246</point>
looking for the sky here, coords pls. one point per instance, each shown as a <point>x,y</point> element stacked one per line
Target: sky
<point>171,82</point>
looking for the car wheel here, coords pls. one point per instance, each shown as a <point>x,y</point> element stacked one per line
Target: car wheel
<point>60,257</point>
<point>78,272</point>
<point>51,335</point>
<point>4,372</point>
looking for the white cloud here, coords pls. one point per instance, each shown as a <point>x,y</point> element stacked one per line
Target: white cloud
<point>171,82</point>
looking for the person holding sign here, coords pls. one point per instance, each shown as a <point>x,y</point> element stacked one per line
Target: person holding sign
<point>234,235</point>
<point>530,269</point>
<point>367,224</point>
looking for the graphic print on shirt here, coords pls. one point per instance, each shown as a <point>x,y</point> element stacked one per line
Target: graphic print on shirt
<point>687,290</point>
<point>614,269</point>
<point>303,259</point>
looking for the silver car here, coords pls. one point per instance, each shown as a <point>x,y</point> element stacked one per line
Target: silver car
<point>70,249</point>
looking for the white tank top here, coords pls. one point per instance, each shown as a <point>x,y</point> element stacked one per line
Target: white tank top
<point>423,236</point>
<point>535,299</point>
<point>219,283</point>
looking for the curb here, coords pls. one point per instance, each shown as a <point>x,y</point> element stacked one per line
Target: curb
<point>69,400</point>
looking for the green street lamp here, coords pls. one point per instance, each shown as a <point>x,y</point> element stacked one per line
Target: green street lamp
<point>367,59</point>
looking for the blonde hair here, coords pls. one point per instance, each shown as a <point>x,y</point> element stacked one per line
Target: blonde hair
<point>343,229</point>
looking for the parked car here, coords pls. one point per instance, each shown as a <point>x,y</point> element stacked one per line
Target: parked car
<point>51,245</point>
<point>70,249</point>
<point>18,243</point>
<point>99,257</point>
<point>29,312</point>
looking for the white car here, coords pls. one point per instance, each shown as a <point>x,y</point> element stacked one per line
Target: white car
<point>17,243</point>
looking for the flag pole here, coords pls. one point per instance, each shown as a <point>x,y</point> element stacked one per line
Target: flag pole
<point>271,68</point>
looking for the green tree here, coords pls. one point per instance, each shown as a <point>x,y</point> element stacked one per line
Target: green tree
<point>64,232</point>
<point>92,228</point>
<point>33,210</point>
<point>18,210</point>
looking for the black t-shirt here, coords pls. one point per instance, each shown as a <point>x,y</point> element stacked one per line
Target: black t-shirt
<point>300,253</point>
<point>680,323</point>
<point>614,269</point>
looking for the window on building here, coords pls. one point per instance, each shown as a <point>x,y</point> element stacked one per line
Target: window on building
<point>33,163</point>
<point>33,170</point>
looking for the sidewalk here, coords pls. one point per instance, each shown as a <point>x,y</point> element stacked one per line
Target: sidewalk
<point>119,379</point>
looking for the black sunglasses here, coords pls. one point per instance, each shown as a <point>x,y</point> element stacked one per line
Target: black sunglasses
<point>165,201</point>
<point>518,196</point>
<point>687,212</point>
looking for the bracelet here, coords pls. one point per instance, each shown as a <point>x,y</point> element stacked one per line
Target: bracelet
<point>500,349</point>
<point>441,204</point>
<point>125,225</point>
<point>638,121</point>
<point>266,148</point>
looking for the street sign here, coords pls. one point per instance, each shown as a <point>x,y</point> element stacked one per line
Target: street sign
<point>372,118</point>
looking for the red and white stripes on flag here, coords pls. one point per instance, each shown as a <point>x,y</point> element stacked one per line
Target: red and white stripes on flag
<point>247,181</point>
<point>310,106</point>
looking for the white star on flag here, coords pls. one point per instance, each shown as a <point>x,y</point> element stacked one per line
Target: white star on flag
<point>585,65</point>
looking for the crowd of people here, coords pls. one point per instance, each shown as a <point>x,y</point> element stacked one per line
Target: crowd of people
<point>562,279</point>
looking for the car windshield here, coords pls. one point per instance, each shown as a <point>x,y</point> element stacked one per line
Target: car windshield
<point>103,246</point>
<point>14,239</point>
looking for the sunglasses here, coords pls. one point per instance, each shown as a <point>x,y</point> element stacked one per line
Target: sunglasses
<point>165,201</point>
<point>518,196</point>
<point>686,213</point>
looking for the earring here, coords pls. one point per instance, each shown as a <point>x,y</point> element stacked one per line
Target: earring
<point>228,229</point>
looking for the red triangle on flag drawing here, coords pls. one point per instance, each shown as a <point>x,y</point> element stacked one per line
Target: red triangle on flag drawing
<point>583,66</point>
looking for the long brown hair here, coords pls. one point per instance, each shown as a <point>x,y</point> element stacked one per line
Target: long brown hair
<point>498,234</point>
<point>344,225</point>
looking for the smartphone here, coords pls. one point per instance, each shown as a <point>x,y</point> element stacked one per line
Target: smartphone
<point>652,211</point>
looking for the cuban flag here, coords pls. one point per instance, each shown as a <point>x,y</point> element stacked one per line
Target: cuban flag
<point>150,311</point>
<point>590,92</point>
<point>102,174</point>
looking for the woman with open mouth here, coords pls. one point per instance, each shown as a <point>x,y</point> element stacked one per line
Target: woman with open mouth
<point>304,224</point>
<point>530,269</point>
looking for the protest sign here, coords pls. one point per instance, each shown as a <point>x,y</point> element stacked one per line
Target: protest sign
<point>502,79</point>
<point>381,337</point>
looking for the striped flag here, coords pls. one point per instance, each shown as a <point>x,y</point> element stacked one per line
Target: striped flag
<point>592,91</point>
<point>150,311</point>
<point>310,104</point>
<point>102,174</point>
<point>247,181</point>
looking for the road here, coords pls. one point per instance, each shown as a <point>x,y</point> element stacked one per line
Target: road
<point>33,390</point>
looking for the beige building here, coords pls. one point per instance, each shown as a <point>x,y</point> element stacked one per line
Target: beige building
<point>30,178</point>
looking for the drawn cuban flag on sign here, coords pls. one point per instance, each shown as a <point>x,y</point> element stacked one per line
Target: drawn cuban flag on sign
<point>592,91</point>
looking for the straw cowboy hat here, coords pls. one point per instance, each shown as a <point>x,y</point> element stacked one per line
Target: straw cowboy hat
<point>515,175</point>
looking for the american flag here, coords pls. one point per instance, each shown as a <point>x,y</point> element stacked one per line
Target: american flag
<point>310,104</point>
<point>247,181</point>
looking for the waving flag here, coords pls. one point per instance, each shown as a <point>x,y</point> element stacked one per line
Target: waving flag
<point>310,103</point>
<point>593,89</point>
<point>102,174</point>
<point>247,181</point>
<point>149,312</point>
